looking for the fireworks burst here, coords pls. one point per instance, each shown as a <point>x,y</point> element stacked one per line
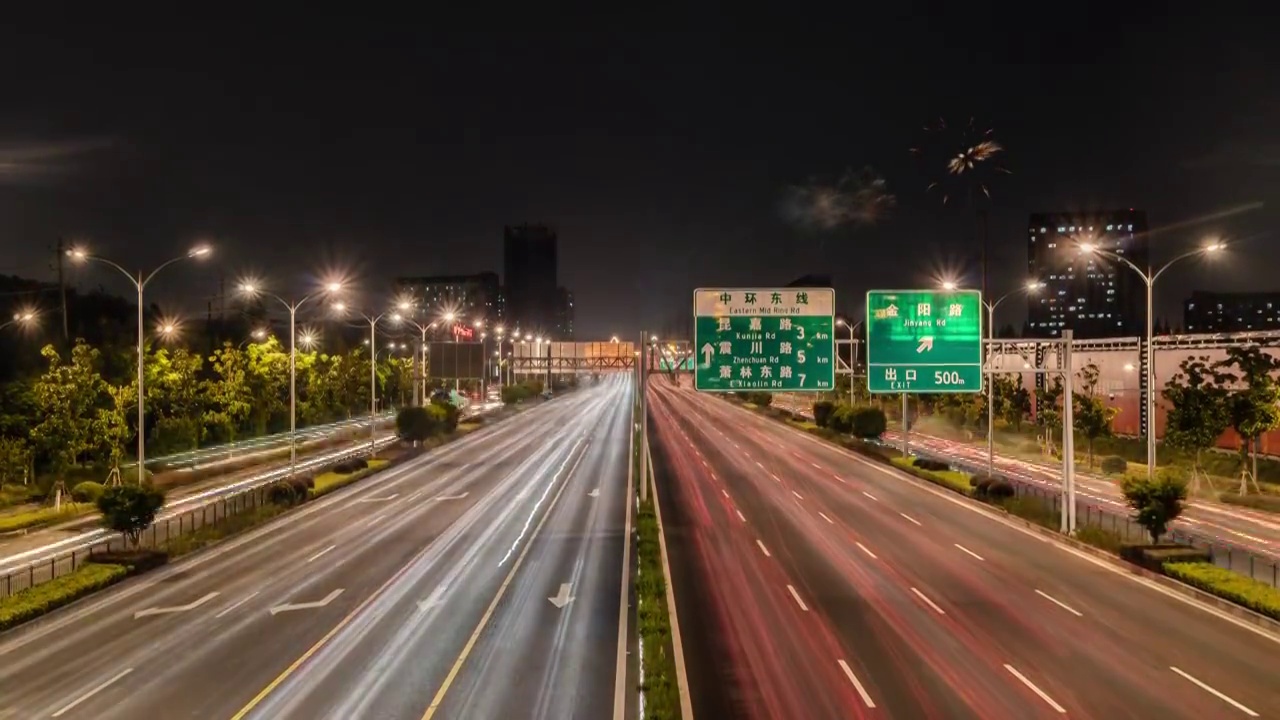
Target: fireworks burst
<point>966,156</point>
<point>859,198</point>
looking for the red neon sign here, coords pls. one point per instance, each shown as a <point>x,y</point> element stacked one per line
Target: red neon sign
<point>463,332</point>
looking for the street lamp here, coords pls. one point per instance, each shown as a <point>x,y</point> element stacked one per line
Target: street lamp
<point>853,352</point>
<point>140,282</point>
<point>251,289</point>
<point>1031,286</point>
<point>1150,278</point>
<point>22,317</point>
<point>373,321</point>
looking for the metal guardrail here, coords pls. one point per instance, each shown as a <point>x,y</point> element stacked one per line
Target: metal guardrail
<point>1260,567</point>
<point>259,444</point>
<point>248,495</point>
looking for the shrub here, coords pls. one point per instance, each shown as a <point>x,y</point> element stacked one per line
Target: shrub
<point>137,561</point>
<point>999,490</point>
<point>416,424</point>
<point>1114,465</point>
<point>87,491</point>
<point>822,412</point>
<point>1225,584</point>
<point>925,463</point>
<point>282,493</point>
<point>130,509</point>
<point>1153,557</point>
<point>1158,502</point>
<point>981,483</point>
<point>763,399</point>
<point>867,422</point>
<point>33,602</point>
<point>841,419</point>
<point>446,414</point>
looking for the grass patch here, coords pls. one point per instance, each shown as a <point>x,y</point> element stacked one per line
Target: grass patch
<point>207,535</point>
<point>330,481</point>
<point>949,479</point>
<point>1033,510</point>
<point>1228,585</point>
<point>661,695</point>
<point>44,516</point>
<point>33,602</point>
<point>1100,538</point>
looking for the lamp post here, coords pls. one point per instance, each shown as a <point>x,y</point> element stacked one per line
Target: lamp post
<point>140,282</point>
<point>373,321</point>
<point>1150,278</point>
<point>251,289</point>
<point>22,317</point>
<point>853,352</point>
<point>420,385</point>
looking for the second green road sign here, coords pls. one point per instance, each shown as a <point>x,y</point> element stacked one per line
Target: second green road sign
<point>775,339</point>
<point>924,341</point>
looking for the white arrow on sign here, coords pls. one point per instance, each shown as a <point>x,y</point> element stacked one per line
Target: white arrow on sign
<point>926,343</point>
<point>707,352</point>
<point>176,608</point>
<point>307,605</point>
<point>594,493</point>
<point>562,598</point>
<point>449,497</point>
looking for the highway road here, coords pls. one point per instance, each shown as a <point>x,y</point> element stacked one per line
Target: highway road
<point>481,580</point>
<point>1253,530</point>
<point>817,584</point>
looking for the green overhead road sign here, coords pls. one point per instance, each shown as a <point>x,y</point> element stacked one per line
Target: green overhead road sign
<point>774,339</point>
<point>924,341</point>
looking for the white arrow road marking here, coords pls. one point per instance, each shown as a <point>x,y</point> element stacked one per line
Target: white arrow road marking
<point>594,493</point>
<point>435,598</point>
<point>307,605</point>
<point>392,496</point>
<point>176,608</point>
<point>449,497</point>
<point>926,343</point>
<point>562,598</point>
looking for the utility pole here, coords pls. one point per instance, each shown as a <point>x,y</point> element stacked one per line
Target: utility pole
<point>62,291</point>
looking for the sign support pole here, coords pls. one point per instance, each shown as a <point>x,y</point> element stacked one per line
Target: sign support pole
<point>906,426</point>
<point>1068,439</point>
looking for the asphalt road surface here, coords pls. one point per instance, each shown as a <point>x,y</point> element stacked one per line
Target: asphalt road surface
<point>816,584</point>
<point>482,580</point>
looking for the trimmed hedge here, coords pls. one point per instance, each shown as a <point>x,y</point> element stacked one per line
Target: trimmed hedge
<point>822,412</point>
<point>930,464</point>
<point>43,516</point>
<point>1114,465</point>
<point>87,491</point>
<point>1154,557</point>
<point>33,602</point>
<point>1270,503</point>
<point>1228,585</point>
<point>661,694</point>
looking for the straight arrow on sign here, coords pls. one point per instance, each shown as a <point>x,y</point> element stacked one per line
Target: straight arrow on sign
<point>562,598</point>
<point>707,352</point>
<point>926,343</point>
<point>175,609</point>
<point>307,605</point>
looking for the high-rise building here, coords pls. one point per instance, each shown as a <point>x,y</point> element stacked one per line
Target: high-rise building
<point>564,319</point>
<point>1226,312</point>
<point>531,289</point>
<point>472,297</point>
<point>1092,295</point>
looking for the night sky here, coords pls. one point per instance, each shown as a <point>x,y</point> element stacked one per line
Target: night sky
<point>663,157</point>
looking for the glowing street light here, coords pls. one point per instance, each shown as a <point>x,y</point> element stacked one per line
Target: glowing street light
<point>22,317</point>
<point>140,282</point>
<point>249,288</point>
<point>373,321</point>
<point>1149,277</point>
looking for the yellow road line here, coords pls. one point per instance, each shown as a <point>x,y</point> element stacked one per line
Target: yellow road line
<point>488,613</point>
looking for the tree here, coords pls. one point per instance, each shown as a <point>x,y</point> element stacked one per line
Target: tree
<point>112,424</point>
<point>267,376</point>
<point>397,380</point>
<point>130,509</point>
<point>1198,412</point>
<point>15,460</point>
<point>1012,401</point>
<point>1048,412</point>
<point>230,398</point>
<point>175,399</point>
<point>1253,403</point>
<point>68,395</point>
<point>320,394</point>
<point>1090,415</point>
<point>353,386</point>
<point>416,424</point>
<point>1156,502</point>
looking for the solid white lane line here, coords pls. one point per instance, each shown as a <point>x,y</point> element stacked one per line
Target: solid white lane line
<point>1060,604</point>
<point>71,706</point>
<point>798,495</point>
<point>865,550</point>
<point>321,554</point>
<point>917,522</point>
<point>740,517</point>
<point>873,497</point>
<point>799,602</point>
<point>1043,695</point>
<point>968,551</point>
<point>763,549</point>
<point>927,601</point>
<point>866,699</point>
<point>237,603</point>
<point>1215,693</point>
<point>824,517</point>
